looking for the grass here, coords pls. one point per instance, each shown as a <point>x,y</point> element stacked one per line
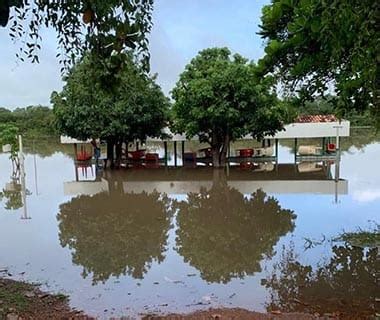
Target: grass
<point>12,298</point>
<point>362,238</point>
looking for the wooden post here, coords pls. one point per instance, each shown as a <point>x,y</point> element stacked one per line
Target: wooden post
<point>324,144</point>
<point>137,145</point>
<point>295,149</point>
<point>175,153</point>
<point>263,143</point>
<point>126,153</point>
<point>183,152</point>
<point>75,151</point>
<point>166,152</point>
<point>276,153</point>
<point>276,147</point>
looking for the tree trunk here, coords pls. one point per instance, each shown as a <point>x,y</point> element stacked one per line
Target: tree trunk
<point>215,156</point>
<point>219,149</point>
<point>118,153</point>
<point>110,152</point>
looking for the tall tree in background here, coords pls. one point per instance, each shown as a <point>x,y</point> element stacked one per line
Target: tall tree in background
<point>315,44</point>
<point>102,26</point>
<point>220,98</point>
<point>91,106</point>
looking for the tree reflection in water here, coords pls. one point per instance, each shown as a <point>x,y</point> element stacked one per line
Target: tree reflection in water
<point>113,234</point>
<point>225,235</point>
<point>345,285</point>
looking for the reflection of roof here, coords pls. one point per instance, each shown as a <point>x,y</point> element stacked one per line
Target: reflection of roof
<point>316,118</point>
<point>287,179</point>
<point>283,172</point>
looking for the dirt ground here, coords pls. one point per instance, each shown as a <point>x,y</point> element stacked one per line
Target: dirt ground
<point>235,314</point>
<point>23,301</point>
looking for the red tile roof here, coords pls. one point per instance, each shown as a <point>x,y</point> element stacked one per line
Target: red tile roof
<point>316,118</point>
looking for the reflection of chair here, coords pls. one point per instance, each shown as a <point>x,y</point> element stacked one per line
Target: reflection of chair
<point>84,166</point>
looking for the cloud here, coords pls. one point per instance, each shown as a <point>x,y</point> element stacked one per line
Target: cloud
<point>366,195</point>
<point>181,29</point>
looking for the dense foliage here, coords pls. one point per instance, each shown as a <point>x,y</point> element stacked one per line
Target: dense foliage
<point>314,45</point>
<point>32,121</point>
<point>225,235</point>
<point>101,26</point>
<point>91,106</point>
<point>220,98</point>
<point>115,234</point>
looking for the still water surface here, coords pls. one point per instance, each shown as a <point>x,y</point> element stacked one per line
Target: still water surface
<point>180,239</point>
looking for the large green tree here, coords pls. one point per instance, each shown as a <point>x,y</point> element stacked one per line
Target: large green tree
<point>220,98</point>
<point>226,235</point>
<point>102,26</point>
<point>90,106</point>
<point>316,45</point>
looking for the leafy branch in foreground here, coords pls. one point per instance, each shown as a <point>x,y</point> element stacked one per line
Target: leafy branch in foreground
<point>315,45</point>
<point>101,26</point>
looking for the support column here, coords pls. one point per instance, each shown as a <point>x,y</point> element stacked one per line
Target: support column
<point>295,149</point>
<point>183,152</point>
<point>175,153</point>
<point>166,152</point>
<point>75,151</point>
<point>276,153</point>
<point>276,148</point>
<point>324,145</point>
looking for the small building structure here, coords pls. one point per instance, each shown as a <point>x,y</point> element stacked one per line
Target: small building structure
<point>328,128</point>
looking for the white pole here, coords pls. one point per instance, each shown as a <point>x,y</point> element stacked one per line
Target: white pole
<point>22,178</point>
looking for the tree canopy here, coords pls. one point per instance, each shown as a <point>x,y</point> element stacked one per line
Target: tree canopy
<point>225,235</point>
<point>101,26</point>
<point>32,121</point>
<point>220,98</point>
<point>89,106</point>
<point>316,45</point>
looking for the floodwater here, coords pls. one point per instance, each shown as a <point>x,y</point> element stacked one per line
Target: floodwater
<point>160,240</point>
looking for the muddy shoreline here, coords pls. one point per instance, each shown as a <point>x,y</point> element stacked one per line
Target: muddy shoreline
<point>20,301</point>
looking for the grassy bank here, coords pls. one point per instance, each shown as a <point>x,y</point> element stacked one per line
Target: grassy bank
<point>20,300</point>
